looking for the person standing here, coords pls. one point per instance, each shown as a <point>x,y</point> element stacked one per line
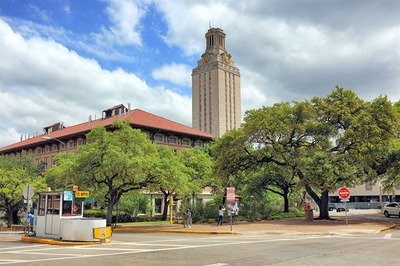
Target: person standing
<point>220,215</point>
<point>30,220</point>
<point>189,217</point>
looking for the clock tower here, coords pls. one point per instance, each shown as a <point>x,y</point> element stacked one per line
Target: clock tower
<point>216,106</point>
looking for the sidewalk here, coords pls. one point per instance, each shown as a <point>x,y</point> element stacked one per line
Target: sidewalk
<point>357,225</point>
<point>294,226</point>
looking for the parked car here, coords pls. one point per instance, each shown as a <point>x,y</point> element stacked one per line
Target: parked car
<point>392,208</point>
<point>331,206</point>
<point>341,207</point>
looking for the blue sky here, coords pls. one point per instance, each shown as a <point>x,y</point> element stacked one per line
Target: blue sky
<point>63,60</point>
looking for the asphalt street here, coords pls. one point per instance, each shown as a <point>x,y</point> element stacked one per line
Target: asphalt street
<point>184,249</point>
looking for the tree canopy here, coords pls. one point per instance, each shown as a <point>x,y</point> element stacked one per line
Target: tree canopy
<point>322,141</point>
<point>112,162</point>
<point>16,172</point>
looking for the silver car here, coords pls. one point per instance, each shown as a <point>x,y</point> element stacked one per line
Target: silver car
<point>392,208</point>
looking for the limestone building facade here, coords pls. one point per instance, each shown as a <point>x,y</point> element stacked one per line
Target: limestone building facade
<point>216,99</point>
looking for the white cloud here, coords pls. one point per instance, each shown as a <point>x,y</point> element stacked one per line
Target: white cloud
<point>125,16</point>
<point>178,74</point>
<point>49,83</point>
<point>285,55</point>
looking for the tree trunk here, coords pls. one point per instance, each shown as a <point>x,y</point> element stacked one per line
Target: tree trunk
<point>323,206</point>
<point>114,198</point>
<point>15,218</point>
<point>286,200</point>
<point>322,202</point>
<point>9,217</point>
<point>166,204</point>
<point>110,207</point>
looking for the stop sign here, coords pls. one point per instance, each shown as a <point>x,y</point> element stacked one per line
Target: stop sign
<point>344,192</point>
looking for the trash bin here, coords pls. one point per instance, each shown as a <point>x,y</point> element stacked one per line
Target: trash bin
<point>309,215</point>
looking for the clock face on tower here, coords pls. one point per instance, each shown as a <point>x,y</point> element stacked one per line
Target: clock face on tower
<point>206,57</point>
<point>226,57</point>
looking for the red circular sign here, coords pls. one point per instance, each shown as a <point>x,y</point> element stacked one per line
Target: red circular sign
<point>344,192</point>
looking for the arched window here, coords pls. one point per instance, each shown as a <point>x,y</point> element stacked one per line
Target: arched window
<point>172,140</point>
<point>185,141</point>
<point>159,137</point>
<point>71,144</point>
<point>198,143</point>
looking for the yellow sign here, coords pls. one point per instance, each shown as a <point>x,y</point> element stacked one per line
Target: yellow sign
<point>81,194</point>
<point>102,232</point>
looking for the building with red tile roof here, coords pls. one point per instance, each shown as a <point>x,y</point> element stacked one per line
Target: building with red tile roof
<point>56,137</point>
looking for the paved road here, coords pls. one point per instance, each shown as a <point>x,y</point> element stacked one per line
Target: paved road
<point>184,249</point>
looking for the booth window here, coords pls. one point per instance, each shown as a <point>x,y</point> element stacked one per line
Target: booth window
<point>53,204</point>
<point>72,208</point>
<point>42,203</point>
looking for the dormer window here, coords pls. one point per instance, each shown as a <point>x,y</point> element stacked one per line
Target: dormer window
<point>54,127</point>
<point>115,110</point>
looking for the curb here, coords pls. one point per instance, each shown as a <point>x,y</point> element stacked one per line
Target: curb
<point>180,231</point>
<point>30,239</point>
<point>387,228</point>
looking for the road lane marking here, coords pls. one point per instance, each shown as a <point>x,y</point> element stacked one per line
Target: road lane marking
<point>25,246</point>
<point>45,253</point>
<point>34,250</point>
<point>164,249</point>
<point>144,244</point>
<point>137,249</point>
<point>3,261</point>
<point>216,264</point>
<point>387,236</point>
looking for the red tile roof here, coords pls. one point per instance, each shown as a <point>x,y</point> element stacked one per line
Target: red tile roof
<point>137,118</point>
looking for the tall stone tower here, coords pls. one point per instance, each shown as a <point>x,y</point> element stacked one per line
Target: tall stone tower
<point>216,88</point>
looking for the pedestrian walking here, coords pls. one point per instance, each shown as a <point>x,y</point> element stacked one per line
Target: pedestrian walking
<point>220,215</point>
<point>189,215</point>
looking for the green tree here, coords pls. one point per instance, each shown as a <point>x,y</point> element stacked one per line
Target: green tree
<point>133,203</point>
<point>323,141</point>
<point>200,164</point>
<point>112,163</point>
<point>385,163</point>
<point>172,176</point>
<point>16,172</point>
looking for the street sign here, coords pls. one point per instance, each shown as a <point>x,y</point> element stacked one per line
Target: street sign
<point>28,192</point>
<point>67,195</point>
<point>230,194</point>
<point>344,193</point>
<point>88,200</point>
<point>81,194</point>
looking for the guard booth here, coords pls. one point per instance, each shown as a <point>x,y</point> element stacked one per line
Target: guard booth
<point>60,215</point>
